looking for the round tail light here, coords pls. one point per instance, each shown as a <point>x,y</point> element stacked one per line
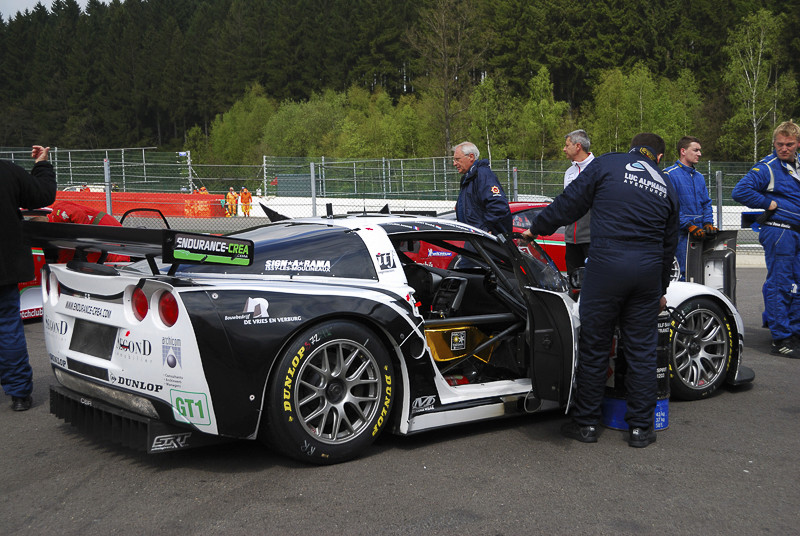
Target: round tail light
<point>139,303</point>
<point>168,309</point>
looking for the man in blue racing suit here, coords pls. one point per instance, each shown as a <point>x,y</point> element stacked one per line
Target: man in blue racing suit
<point>481,202</point>
<point>634,232</point>
<point>697,218</point>
<point>773,186</point>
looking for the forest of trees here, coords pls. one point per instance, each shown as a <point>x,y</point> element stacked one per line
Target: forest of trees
<point>235,79</point>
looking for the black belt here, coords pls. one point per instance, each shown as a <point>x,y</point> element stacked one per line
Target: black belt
<point>763,218</point>
<point>781,225</point>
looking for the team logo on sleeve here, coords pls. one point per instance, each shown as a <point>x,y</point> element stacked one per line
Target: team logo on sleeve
<point>495,190</point>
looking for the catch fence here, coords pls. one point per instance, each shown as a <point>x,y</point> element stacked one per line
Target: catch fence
<point>297,187</point>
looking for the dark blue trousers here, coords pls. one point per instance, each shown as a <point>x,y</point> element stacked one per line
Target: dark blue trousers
<point>620,285</point>
<point>16,374</point>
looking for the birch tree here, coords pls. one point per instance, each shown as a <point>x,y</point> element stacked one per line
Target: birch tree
<point>752,76</point>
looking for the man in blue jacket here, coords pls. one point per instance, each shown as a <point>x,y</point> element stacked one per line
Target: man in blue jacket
<point>773,186</point>
<point>18,188</point>
<point>634,231</point>
<point>697,218</point>
<point>481,202</point>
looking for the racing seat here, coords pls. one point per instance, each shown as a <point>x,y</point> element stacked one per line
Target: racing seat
<point>423,281</point>
<point>448,297</point>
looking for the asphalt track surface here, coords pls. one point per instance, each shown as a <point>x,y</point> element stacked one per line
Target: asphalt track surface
<point>726,465</point>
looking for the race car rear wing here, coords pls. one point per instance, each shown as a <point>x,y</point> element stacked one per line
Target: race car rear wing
<point>174,247</point>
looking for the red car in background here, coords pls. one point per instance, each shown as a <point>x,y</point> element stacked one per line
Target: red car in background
<point>30,292</point>
<point>522,212</point>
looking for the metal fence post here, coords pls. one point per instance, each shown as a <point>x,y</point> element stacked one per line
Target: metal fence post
<point>433,161</point>
<point>122,159</point>
<point>444,170</point>
<point>107,175</point>
<point>324,190</point>
<point>718,177</point>
<point>389,173</point>
<point>264,169</point>
<point>516,185</point>
<point>188,170</point>
<point>313,192</point>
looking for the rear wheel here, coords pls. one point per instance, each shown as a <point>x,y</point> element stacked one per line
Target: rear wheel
<point>699,361</point>
<point>331,395</point>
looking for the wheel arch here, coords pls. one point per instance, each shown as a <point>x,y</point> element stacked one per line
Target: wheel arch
<point>388,339</point>
<point>680,292</point>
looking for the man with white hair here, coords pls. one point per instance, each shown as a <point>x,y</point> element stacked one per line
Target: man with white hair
<point>481,202</point>
<point>576,236</point>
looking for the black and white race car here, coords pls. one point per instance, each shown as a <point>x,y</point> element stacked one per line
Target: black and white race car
<point>315,335</point>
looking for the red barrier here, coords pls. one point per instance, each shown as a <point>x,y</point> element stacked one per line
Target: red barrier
<point>175,205</point>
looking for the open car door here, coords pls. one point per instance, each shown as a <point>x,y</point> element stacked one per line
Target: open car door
<point>550,322</point>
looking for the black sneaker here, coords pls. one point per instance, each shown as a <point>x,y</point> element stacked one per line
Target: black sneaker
<point>786,347</point>
<point>21,403</point>
<point>584,434</point>
<point>641,437</point>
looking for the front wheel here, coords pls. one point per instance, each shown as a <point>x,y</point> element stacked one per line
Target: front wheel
<point>331,395</point>
<point>699,360</point>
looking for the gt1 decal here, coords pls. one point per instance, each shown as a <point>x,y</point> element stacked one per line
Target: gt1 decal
<point>190,407</point>
<point>387,401</point>
<point>285,265</point>
<point>170,442</point>
<point>423,403</point>
<point>88,309</point>
<point>385,261</point>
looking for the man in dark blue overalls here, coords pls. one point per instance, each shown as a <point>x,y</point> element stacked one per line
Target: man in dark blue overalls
<point>634,233</point>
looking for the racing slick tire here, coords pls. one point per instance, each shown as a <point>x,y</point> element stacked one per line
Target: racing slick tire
<point>331,394</point>
<point>699,362</point>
